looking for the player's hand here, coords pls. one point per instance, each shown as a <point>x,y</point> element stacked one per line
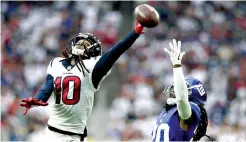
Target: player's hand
<point>175,52</point>
<point>27,103</point>
<point>139,28</point>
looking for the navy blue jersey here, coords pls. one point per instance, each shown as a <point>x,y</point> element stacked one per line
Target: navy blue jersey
<point>168,128</point>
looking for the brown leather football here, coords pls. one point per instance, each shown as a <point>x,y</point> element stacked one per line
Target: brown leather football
<point>147,16</point>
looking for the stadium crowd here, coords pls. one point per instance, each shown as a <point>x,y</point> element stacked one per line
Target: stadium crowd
<point>213,35</point>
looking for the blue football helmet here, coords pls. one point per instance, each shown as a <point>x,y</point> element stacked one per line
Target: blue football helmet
<point>197,93</point>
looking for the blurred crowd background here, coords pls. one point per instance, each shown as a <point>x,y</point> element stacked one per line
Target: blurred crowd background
<point>213,35</point>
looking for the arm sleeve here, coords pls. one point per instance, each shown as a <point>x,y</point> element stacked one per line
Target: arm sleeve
<point>106,62</point>
<point>46,90</point>
<point>181,93</point>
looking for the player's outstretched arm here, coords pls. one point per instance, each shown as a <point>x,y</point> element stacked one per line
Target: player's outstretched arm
<point>42,96</point>
<point>180,87</point>
<point>106,62</point>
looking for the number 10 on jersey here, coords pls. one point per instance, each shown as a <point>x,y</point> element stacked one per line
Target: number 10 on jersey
<point>62,88</point>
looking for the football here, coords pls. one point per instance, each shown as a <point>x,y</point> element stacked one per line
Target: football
<point>147,16</point>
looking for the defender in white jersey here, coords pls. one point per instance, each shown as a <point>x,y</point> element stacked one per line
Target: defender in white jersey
<point>74,79</point>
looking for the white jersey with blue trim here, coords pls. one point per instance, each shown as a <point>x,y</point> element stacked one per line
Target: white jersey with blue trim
<point>73,95</point>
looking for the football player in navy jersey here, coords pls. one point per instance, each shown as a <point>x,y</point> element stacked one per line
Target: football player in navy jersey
<point>184,117</point>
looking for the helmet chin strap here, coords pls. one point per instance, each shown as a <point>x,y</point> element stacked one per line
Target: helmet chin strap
<point>171,101</point>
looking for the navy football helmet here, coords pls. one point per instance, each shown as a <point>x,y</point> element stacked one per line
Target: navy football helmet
<point>92,51</point>
<point>197,93</point>
<point>83,46</point>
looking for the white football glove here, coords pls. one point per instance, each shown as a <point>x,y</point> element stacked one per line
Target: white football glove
<point>175,52</point>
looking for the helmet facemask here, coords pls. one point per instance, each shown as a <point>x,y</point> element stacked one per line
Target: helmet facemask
<point>82,47</point>
<point>170,94</point>
<point>86,45</point>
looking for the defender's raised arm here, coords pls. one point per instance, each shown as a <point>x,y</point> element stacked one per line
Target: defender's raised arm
<point>180,86</point>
